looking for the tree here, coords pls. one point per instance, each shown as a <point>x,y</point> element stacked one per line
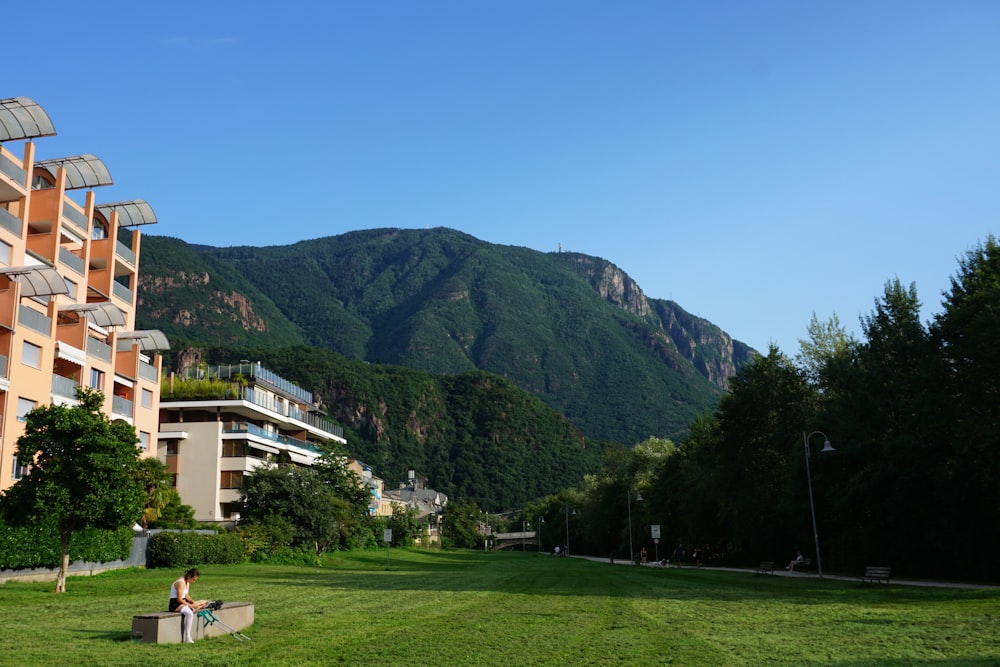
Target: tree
<point>297,495</point>
<point>152,474</point>
<point>83,473</point>
<point>969,413</point>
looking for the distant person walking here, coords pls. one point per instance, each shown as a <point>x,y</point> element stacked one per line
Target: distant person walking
<point>642,555</point>
<point>679,554</point>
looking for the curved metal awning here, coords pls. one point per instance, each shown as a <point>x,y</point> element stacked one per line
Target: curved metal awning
<point>130,213</point>
<point>23,118</point>
<point>82,171</point>
<point>37,280</point>
<point>102,314</point>
<point>150,340</point>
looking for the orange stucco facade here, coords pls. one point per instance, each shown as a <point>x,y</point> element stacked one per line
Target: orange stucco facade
<point>68,275</point>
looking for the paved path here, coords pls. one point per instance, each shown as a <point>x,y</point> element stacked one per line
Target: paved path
<point>808,575</point>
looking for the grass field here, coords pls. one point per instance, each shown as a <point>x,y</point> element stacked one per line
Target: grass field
<point>512,609</point>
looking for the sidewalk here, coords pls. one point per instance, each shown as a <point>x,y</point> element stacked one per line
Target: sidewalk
<point>803,575</point>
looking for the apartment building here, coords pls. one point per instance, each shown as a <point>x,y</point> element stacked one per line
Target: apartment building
<point>218,423</point>
<point>69,267</point>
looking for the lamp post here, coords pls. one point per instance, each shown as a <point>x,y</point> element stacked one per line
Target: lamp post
<point>827,447</point>
<point>566,546</point>
<point>539,521</point>
<point>638,497</point>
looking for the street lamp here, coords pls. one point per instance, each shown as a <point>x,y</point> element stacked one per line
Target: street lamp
<point>827,447</point>
<point>539,521</point>
<point>638,497</point>
<point>566,546</point>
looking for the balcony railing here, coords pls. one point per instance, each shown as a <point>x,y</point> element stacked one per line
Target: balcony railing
<point>121,406</point>
<point>34,320</point>
<point>78,219</point>
<point>125,252</point>
<point>253,429</point>
<point>10,222</point>
<point>12,169</point>
<point>62,386</point>
<point>70,260</point>
<point>147,371</point>
<point>99,349</point>
<point>120,291</point>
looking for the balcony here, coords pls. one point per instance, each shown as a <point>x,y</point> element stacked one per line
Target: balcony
<point>99,349</point>
<point>125,252</point>
<point>147,371</point>
<point>34,320</point>
<point>253,429</point>
<point>76,217</point>
<point>12,179</point>
<point>62,386</point>
<point>10,222</point>
<point>71,260</point>
<point>121,406</point>
<point>121,291</point>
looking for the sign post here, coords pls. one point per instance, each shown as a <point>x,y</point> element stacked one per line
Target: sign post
<point>387,538</point>
<point>655,529</point>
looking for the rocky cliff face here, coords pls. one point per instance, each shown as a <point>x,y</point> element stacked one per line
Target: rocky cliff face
<point>715,354</point>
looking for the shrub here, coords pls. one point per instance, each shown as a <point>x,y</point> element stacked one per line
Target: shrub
<point>187,549</point>
<point>38,546</point>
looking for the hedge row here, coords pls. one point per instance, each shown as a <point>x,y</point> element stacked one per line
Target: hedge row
<point>38,546</point>
<point>187,549</point>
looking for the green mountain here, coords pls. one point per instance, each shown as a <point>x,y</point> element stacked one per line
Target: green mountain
<point>574,330</point>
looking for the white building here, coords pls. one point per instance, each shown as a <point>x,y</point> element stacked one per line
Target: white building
<point>219,423</point>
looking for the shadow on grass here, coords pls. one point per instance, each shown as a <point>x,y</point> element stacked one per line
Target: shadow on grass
<point>532,574</point>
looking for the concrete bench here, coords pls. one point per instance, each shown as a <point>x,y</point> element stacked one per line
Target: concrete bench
<point>164,627</point>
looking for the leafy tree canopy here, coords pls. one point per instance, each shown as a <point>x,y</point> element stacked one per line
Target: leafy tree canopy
<point>83,472</point>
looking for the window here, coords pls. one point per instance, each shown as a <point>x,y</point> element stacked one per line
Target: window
<point>4,253</point>
<point>233,448</point>
<point>19,470</point>
<point>24,406</point>
<point>71,286</point>
<point>147,398</point>
<point>172,447</point>
<point>31,355</point>
<point>231,479</point>
<point>96,379</point>
<point>143,440</point>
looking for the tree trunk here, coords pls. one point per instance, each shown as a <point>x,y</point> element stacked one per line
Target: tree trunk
<point>64,536</point>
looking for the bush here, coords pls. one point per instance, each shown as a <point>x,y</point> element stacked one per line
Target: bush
<point>187,549</point>
<point>38,546</point>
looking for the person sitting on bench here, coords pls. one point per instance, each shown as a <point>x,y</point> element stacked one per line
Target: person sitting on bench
<point>180,600</point>
<point>798,560</point>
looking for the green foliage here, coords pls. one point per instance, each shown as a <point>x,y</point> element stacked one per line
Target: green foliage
<point>84,473</point>
<point>460,523</point>
<point>174,513</point>
<point>181,550</point>
<point>196,389</point>
<point>38,546</point>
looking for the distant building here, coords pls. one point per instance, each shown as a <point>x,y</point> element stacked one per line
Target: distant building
<point>69,267</point>
<point>427,502</point>
<point>218,423</point>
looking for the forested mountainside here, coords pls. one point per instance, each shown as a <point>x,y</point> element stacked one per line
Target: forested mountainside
<point>574,330</point>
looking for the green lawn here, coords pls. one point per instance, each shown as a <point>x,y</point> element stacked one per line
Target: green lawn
<point>511,609</point>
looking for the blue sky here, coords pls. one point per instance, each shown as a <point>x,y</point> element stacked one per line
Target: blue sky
<point>757,162</point>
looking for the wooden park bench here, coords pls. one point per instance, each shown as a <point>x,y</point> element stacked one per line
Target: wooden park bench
<point>876,575</point>
<point>164,627</point>
<point>765,567</point>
